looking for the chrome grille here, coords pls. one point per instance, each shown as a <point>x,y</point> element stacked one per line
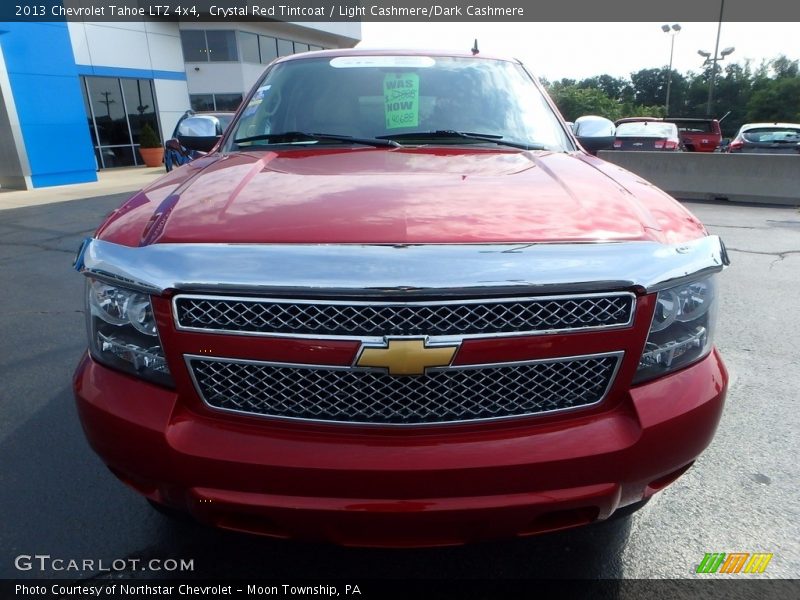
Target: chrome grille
<point>354,319</point>
<point>367,396</point>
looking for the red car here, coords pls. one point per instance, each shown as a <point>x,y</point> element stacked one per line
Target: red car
<point>397,305</point>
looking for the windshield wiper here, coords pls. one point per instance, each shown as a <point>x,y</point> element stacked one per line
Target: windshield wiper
<point>287,137</point>
<point>464,135</point>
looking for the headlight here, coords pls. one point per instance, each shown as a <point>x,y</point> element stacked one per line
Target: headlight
<point>122,332</point>
<point>682,329</point>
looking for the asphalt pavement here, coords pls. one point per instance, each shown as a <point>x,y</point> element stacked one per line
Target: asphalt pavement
<point>58,499</point>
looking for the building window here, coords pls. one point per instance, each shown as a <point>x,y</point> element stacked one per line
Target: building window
<point>221,45</point>
<point>285,47</point>
<point>269,48</point>
<point>300,47</point>
<point>210,102</point>
<point>227,101</point>
<point>117,109</point>
<point>201,102</point>
<point>248,43</point>
<point>194,45</point>
<point>214,45</point>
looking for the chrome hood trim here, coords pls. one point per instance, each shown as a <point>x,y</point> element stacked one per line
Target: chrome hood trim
<point>365,270</point>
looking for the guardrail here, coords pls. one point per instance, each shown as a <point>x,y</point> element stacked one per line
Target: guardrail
<point>761,178</point>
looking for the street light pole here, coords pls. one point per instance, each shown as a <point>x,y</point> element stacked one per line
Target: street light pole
<point>714,61</point>
<point>672,31</point>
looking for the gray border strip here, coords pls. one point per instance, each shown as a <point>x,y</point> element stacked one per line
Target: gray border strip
<point>525,11</point>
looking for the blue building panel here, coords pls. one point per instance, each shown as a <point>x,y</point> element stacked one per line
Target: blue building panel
<point>102,71</point>
<point>47,95</point>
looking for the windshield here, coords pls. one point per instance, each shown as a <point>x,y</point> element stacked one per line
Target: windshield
<point>695,126</point>
<point>647,129</point>
<point>772,135</point>
<point>398,97</point>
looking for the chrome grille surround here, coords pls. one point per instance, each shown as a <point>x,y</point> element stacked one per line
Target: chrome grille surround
<point>371,397</point>
<point>465,318</point>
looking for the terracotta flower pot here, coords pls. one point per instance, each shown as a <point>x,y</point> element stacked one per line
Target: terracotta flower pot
<point>153,157</point>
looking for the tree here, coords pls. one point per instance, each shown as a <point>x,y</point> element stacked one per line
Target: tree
<point>778,101</point>
<point>768,92</point>
<point>783,67</point>
<point>574,102</point>
<point>650,86</point>
<point>615,88</point>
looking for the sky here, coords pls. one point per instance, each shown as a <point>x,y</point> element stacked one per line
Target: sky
<point>578,50</point>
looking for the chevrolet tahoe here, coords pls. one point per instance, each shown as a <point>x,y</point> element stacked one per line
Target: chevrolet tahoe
<point>399,305</point>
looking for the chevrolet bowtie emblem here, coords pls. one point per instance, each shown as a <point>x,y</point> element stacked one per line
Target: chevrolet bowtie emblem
<point>406,356</point>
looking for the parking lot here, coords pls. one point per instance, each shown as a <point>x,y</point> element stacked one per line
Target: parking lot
<point>741,496</point>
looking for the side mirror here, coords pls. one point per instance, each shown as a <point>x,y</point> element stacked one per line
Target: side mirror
<point>594,133</point>
<point>199,132</point>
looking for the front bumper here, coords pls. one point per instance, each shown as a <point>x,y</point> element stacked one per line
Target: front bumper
<point>412,487</point>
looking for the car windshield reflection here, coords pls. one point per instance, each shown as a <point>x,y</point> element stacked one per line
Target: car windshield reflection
<point>413,98</point>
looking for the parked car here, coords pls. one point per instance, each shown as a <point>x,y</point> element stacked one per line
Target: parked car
<point>594,133</point>
<point>195,134</point>
<point>698,135</point>
<point>398,305</point>
<point>767,138</point>
<point>647,135</point>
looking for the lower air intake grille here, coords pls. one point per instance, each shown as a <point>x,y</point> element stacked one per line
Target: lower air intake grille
<point>367,396</point>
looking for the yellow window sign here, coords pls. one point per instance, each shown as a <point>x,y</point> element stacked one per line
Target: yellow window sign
<point>401,100</point>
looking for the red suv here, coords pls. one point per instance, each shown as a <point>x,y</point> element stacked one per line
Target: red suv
<point>698,135</point>
<point>397,305</point>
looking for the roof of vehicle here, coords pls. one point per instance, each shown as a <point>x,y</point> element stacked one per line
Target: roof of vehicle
<point>748,126</point>
<point>689,119</point>
<point>210,113</point>
<point>390,52</point>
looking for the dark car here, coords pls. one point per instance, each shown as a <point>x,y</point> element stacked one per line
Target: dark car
<point>194,134</point>
<point>767,138</point>
<point>698,135</point>
<point>647,135</point>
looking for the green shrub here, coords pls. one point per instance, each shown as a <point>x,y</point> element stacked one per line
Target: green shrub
<point>148,138</point>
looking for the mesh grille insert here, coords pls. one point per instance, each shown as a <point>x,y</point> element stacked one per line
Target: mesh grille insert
<point>440,396</point>
<point>467,317</point>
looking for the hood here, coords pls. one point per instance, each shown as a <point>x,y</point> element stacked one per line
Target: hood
<point>397,196</point>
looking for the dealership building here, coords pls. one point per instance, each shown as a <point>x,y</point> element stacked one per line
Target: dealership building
<point>75,96</point>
